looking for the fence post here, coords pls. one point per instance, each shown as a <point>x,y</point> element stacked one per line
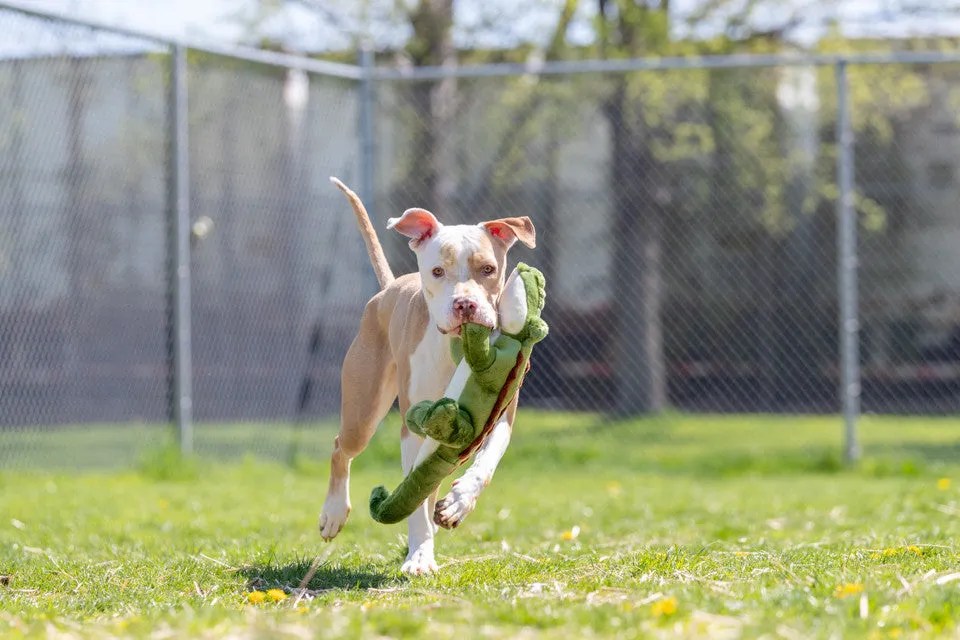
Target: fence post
<point>847,270</point>
<point>181,395</point>
<point>367,130</point>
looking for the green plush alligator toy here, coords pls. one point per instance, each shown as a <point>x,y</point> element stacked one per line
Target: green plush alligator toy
<point>484,384</point>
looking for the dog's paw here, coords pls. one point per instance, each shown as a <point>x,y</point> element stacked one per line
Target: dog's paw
<point>336,510</point>
<point>458,504</point>
<point>420,562</point>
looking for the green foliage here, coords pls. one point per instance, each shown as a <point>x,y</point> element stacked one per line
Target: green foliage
<point>734,119</point>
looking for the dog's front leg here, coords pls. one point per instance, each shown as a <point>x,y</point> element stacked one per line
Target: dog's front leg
<point>460,502</point>
<point>420,528</point>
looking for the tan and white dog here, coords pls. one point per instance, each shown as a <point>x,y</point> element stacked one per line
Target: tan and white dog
<point>403,350</point>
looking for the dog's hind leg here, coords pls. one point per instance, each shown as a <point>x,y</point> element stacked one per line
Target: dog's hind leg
<point>368,389</point>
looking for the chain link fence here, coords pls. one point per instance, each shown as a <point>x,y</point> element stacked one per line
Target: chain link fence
<point>687,220</point>
<point>82,256</point>
<point>87,249</point>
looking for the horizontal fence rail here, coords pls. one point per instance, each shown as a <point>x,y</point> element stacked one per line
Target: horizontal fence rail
<point>736,61</point>
<point>248,54</point>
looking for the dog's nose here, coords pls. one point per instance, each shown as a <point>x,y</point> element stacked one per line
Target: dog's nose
<point>464,306</point>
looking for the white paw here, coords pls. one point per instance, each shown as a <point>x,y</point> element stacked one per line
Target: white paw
<point>420,562</point>
<point>458,504</point>
<point>336,510</point>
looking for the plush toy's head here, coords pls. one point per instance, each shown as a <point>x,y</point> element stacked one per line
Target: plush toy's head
<point>522,300</point>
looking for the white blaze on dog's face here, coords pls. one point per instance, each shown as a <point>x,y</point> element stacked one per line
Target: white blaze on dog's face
<point>462,267</point>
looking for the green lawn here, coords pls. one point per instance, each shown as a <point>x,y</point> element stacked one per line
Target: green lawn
<point>688,526</point>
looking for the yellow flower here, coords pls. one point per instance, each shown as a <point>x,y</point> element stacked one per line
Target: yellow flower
<point>614,488</point>
<point>572,534</point>
<point>943,484</point>
<point>849,589</point>
<point>256,597</point>
<point>664,607</point>
<point>276,595</point>
<point>897,551</point>
<point>302,609</point>
<point>366,606</point>
<point>741,553</point>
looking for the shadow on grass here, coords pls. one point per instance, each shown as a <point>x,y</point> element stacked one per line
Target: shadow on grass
<point>325,577</point>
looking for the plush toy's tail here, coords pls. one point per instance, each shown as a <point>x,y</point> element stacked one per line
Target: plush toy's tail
<point>390,508</point>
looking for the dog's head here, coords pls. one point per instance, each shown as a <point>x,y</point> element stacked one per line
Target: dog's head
<point>462,267</point>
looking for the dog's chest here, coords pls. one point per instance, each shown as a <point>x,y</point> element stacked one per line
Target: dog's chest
<point>431,368</point>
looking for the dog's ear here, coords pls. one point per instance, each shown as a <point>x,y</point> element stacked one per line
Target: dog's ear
<point>416,224</point>
<point>509,230</point>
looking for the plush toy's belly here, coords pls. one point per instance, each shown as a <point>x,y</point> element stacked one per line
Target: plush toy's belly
<point>459,381</point>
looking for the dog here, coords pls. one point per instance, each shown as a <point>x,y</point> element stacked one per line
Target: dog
<point>402,350</point>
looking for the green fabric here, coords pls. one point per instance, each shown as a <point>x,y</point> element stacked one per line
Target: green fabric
<point>496,373</point>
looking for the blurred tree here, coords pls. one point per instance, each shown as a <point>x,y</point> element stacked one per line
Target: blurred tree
<point>725,145</point>
<point>767,180</point>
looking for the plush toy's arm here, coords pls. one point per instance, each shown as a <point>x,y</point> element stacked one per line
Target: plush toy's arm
<point>475,340</point>
<point>443,420</point>
<point>416,416</point>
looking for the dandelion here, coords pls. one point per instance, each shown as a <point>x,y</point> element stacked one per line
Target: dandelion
<point>302,610</point>
<point>573,534</point>
<point>741,554</point>
<point>276,595</point>
<point>895,551</point>
<point>849,589</point>
<point>943,484</point>
<point>256,597</point>
<point>366,606</point>
<point>664,607</point>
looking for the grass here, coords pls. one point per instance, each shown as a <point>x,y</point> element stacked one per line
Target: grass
<point>680,526</point>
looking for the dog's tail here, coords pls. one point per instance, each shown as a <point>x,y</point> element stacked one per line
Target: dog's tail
<point>377,258</point>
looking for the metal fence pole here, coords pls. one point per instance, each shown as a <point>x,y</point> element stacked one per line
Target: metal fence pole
<point>179,198</point>
<point>847,270</point>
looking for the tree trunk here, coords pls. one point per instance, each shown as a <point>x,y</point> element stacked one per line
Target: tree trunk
<point>639,209</point>
<point>428,182</point>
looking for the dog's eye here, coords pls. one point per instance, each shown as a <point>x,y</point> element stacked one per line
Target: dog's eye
<point>437,272</point>
<point>488,270</point>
